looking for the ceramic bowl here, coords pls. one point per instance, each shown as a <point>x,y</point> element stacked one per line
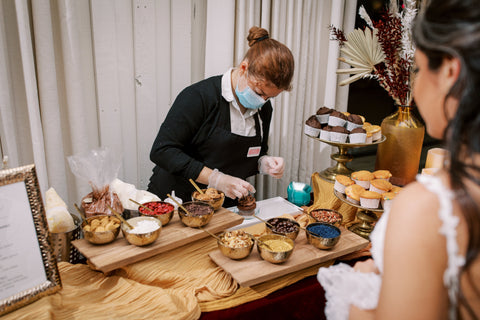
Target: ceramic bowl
<point>236,244</point>
<point>142,238</point>
<point>101,229</point>
<point>195,220</point>
<point>284,226</point>
<point>277,255</point>
<point>162,210</point>
<point>322,235</point>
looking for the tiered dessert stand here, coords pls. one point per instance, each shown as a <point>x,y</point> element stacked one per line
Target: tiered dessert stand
<point>342,157</point>
<point>367,217</point>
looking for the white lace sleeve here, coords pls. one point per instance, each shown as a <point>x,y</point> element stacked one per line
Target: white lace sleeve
<point>449,230</point>
<point>343,287</point>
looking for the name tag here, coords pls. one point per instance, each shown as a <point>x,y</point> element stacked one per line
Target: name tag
<point>253,152</point>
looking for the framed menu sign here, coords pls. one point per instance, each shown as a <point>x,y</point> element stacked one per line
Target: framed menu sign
<point>28,268</point>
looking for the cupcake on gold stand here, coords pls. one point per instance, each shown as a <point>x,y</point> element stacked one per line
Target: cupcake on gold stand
<point>367,217</point>
<point>342,157</point>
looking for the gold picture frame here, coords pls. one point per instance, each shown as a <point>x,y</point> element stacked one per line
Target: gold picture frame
<point>28,266</point>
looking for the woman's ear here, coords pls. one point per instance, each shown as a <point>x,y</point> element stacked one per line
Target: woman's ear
<point>450,70</point>
<point>243,67</point>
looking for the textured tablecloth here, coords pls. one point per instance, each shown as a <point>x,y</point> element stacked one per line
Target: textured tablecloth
<point>178,284</point>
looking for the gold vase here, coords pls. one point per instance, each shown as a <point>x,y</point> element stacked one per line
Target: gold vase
<point>400,153</point>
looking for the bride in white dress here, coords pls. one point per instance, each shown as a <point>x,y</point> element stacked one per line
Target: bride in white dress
<point>425,250</point>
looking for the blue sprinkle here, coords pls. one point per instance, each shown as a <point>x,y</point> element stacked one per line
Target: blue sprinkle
<point>323,230</point>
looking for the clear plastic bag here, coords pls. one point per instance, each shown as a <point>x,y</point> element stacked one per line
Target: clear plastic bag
<point>99,167</point>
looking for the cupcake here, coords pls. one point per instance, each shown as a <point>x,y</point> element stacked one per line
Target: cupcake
<point>369,138</point>
<point>312,126</point>
<point>338,134</point>
<point>370,199</point>
<point>353,193</point>
<point>341,182</point>
<point>387,199</point>
<point>358,135</point>
<point>354,121</point>
<point>376,132</point>
<point>366,124</point>
<point>362,178</point>
<point>382,174</point>
<point>246,205</point>
<point>323,114</point>
<point>380,185</point>
<point>396,189</point>
<point>337,119</point>
<point>325,132</point>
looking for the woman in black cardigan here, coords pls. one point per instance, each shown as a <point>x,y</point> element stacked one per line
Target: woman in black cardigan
<point>216,132</point>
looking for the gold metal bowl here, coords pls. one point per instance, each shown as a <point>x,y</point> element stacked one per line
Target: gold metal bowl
<point>143,238</point>
<point>236,249</point>
<point>277,255</point>
<point>322,235</point>
<point>281,225</point>
<point>194,220</point>
<point>164,217</point>
<point>329,216</point>
<point>216,202</point>
<point>101,229</point>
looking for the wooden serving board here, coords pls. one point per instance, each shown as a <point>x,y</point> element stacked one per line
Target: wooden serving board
<point>254,270</point>
<point>120,253</point>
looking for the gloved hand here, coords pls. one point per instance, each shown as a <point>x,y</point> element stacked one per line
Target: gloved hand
<point>273,166</point>
<point>233,187</point>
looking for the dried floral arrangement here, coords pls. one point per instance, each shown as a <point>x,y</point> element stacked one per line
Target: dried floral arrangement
<point>383,50</point>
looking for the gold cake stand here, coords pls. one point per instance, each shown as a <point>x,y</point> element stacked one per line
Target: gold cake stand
<point>342,157</point>
<point>366,216</point>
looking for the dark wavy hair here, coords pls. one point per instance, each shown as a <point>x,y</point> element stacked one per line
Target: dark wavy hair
<point>446,29</point>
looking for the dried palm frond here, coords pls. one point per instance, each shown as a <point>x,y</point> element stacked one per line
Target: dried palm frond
<point>362,51</point>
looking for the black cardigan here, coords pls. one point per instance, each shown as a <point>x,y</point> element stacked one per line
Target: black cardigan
<point>189,123</point>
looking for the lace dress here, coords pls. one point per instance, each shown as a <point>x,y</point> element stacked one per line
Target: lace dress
<point>343,286</point>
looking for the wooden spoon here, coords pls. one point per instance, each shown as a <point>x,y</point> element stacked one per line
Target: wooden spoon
<point>196,186</point>
<point>141,205</point>
<point>178,204</point>
<point>264,244</point>
<point>264,222</point>
<point>211,234</point>
<point>119,216</point>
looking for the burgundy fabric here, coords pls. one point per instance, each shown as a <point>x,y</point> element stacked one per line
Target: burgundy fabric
<point>302,300</point>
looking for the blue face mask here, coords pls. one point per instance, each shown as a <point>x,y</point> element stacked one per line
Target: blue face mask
<point>249,98</point>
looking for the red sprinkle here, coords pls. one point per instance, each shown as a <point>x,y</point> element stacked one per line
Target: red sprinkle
<point>158,207</point>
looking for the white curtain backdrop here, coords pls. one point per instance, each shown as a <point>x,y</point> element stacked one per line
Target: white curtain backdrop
<point>79,74</point>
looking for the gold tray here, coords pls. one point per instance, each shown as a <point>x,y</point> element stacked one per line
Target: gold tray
<point>343,197</point>
<point>342,157</point>
<point>367,217</point>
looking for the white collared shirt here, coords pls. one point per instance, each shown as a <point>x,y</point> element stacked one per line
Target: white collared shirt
<point>241,124</point>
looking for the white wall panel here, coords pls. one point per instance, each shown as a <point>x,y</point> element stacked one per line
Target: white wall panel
<point>113,50</point>
<point>219,33</point>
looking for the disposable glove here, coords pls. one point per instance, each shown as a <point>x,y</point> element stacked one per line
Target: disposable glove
<point>273,166</point>
<point>233,187</point>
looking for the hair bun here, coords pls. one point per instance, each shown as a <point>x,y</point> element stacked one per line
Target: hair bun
<point>256,34</point>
